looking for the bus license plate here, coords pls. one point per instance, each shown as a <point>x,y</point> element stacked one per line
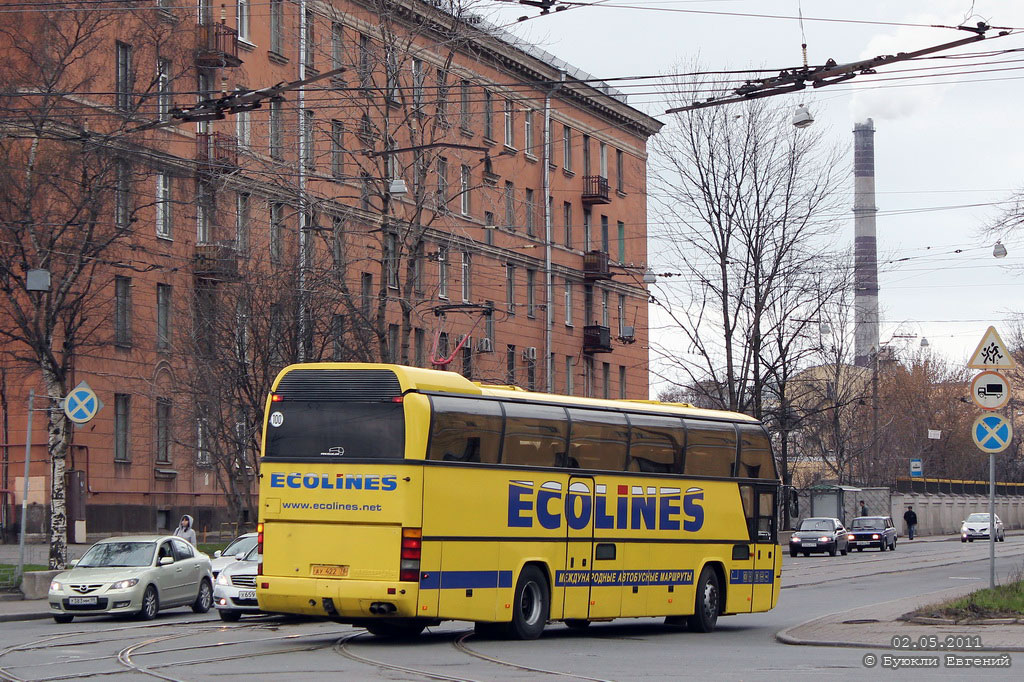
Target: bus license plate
<point>82,601</point>
<point>247,594</point>
<point>329,570</point>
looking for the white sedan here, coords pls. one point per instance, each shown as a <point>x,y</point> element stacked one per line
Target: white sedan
<point>975,527</point>
<point>235,590</point>
<point>139,574</point>
<point>238,548</point>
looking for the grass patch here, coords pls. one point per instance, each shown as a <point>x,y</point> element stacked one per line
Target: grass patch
<point>1003,601</point>
<point>12,568</point>
<point>211,547</point>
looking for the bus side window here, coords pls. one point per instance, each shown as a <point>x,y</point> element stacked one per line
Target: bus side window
<point>598,439</point>
<point>465,430</point>
<point>756,459</point>
<point>534,435</point>
<point>655,443</point>
<point>710,448</point>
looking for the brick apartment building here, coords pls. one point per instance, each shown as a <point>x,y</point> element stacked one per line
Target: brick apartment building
<point>276,230</point>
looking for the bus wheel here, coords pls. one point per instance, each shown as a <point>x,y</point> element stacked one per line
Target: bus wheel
<point>705,603</point>
<point>577,624</point>
<point>531,605</point>
<point>396,629</point>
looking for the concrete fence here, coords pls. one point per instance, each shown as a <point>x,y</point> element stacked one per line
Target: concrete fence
<point>943,514</point>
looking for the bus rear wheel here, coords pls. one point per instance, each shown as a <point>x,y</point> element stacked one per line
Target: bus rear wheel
<point>531,605</point>
<point>705,603</point>
<point>396,629</point>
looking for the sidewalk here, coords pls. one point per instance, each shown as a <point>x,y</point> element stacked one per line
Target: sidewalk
<point>874,626</point>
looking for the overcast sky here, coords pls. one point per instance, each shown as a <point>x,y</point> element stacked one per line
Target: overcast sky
<point>949,149</point>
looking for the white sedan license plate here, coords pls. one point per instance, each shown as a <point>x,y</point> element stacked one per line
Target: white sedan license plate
<point>82,601</point>
<point>810,544</point>
<point>247,594</point>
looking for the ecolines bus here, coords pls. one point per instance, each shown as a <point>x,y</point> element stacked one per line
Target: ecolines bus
<point>393,498</point>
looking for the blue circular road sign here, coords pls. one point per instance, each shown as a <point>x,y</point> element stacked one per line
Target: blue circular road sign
<point>81,404</point>
<point>992,433</point>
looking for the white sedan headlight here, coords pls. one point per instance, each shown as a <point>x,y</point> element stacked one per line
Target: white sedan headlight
<point>125,584</point>
<point>223,579</point>
<point>55,586</point>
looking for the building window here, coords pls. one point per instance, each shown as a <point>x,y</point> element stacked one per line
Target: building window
<point>276,26</point>
<point>122,417</point>
<point>204,200</point>
<point>276,230</point>
<point>417,269</point>
<point>338,337</point>
<point>276,130</point>
<point>309,158</point>
<point>510,205</point>
<point>510,365</point>
<point>421,343</point>
<point>605,245</point>
<point>489,321</point>
<point>419,77</point>
<point>337,51</point>
<point>588,376</point>
<point>531,298</point>
<point>366,290</point>
<point>242,221</point>
<point>622,382</point>
<point>365,67</point>
<point>467,358</point>
<point>602,155</point>
<point>442,97</point>
<point>467,278</point>
<point>528,131</point>
<point>242,14</point>
<point>124,84</point>
<point>243,128</point>
<point>510,123</point>
<point>586,229</point>
<point>162,434</point>
<point>606,380</point>
<point>392,343</point>
<point>568,303</point>
<point>588,304</point>
<point>163,317</point>
<point>622,314</point>
<point>464,193</point>
<point>442,183</point>
<point>203,440</point>
<point>391,259</point>
<point>488,115</point>
<point>488,227</point>
<point>604,309</point>
<point>163,205</point>
<point>122,311</point>
<point>619,183</point>
<point>510,289</point>
<point>122,194</point>
<point>442,272</point>
<point>531,209</point>
<point>567,220</point>
<point>310,40</point>
<point>567,148</point>
<point>531,374</point>
<point>586,155</point>
<point>205,16</point>
<point>465,114</point>
<point>569,363</point>
<point>621,229</point>
<point>163,88</point>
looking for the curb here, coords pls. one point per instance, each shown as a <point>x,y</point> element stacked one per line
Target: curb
<point>14,617</point>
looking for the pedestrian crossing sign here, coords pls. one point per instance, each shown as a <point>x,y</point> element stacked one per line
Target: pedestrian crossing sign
<point>992,353</point>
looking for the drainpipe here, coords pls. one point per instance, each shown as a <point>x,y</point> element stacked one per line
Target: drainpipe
<point>303,136</point>
<point>549,312</point>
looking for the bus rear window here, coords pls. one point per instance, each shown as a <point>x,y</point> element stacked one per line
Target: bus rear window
<point>329,430</point>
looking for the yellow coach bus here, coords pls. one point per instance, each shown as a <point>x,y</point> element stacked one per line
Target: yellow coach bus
<point>394,498</point>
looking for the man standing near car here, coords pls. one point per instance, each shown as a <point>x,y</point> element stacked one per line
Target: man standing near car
<point>185,531</point>
<point>910,518</point>
<point>863,508</point>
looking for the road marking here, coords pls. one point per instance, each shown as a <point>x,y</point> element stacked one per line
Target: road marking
<point>961,577</point>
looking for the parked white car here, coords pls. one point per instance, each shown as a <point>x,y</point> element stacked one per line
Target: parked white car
<point>238,548</point>
<point>235,591</point>
<point>138,574</point>
<point>975,527</point>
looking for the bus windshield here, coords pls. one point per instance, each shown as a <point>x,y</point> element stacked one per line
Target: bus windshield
<point>299,429</point>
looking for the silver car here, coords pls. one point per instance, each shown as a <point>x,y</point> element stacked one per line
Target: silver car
<point>235,590</point>
<point>975,527</point>
<point>238,548</point>
<point>138,574</point>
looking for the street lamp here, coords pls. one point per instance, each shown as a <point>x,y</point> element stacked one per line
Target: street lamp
<point>999,251</point>
<point>802,117</point>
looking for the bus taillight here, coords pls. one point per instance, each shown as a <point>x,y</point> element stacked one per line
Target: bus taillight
<point>276,398</point>
<point>412,547</point>
<point>259,548</point>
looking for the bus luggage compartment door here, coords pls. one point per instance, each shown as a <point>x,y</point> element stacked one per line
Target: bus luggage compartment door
<point>579,555</point>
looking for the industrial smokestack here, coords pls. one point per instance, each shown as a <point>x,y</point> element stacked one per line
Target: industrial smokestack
<point>865,251</point>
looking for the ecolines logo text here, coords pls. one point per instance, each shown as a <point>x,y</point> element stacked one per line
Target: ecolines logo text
<point>333,482</point>
<point>632,508</point>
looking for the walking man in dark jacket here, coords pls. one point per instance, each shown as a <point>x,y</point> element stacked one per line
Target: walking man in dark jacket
<point>911,520</point>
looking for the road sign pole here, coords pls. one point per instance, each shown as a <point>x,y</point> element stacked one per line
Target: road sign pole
<point>24,490</point>
<point>992,520</point>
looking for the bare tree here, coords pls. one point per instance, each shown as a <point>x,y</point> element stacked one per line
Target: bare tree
<point>66,204</point>
<point>745,204</point>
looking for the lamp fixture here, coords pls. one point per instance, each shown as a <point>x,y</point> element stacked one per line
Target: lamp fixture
<point>802,117</point>
<point>999,251</point>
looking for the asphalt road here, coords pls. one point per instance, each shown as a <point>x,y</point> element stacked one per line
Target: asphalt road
<point>182,646</point>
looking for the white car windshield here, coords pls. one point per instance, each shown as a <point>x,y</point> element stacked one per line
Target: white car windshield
<point>977,518</point>
<point>253,555</point>
<point>113,554</point>
<point>816,524</point>
<point>240,546</point>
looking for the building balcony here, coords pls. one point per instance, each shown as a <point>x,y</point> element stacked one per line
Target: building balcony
<point>595,190</point>
<point>215,261</point>
<point>597,339</point>
<point>595,266</point>
<point>216,45</point>
<point>217,151</point>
